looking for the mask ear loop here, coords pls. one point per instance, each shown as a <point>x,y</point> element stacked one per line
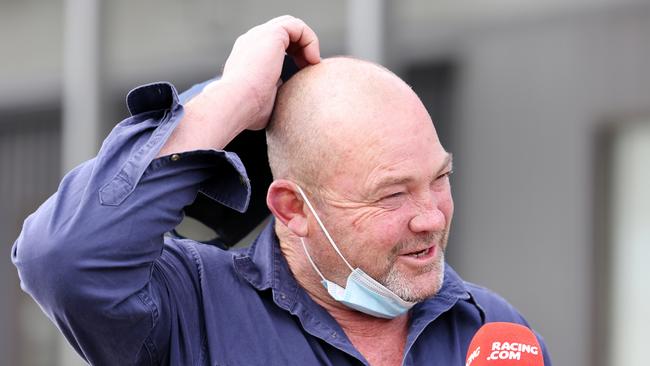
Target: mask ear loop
<point>304,247</point>
<point>327,234</point>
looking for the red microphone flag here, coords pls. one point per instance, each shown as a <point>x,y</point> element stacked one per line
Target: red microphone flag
<point>504,344</point>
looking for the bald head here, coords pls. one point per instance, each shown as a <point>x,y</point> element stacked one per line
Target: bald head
<point>325,111</point>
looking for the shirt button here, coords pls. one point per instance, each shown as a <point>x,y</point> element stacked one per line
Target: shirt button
<point>283,296</point>
<point>175,157</point>
<point>334,335</point>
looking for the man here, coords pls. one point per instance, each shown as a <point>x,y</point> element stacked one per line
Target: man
<point>350,271</point>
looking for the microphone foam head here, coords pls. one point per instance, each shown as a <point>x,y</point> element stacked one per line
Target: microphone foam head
<point>504,344</point>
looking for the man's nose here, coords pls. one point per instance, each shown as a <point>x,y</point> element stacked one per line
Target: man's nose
<point>428,218</point>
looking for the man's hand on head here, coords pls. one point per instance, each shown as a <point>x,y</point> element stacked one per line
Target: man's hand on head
<point>244,96</point>
<point>255,62</point>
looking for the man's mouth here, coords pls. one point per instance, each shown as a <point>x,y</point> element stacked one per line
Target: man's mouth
<point>420,253</point>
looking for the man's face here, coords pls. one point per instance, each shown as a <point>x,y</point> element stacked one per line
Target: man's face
<point>387,201</point>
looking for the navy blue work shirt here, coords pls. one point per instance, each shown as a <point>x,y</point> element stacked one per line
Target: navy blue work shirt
<point>96,258</point>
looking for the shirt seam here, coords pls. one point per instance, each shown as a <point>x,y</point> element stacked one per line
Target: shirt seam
<point>148,343</point>
<point>196,258</point>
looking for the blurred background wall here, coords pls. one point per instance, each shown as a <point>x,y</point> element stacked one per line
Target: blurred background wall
<point>545,105</point>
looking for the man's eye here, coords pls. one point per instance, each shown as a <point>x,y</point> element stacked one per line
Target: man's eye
<point>445,175</point>
<point>393,195</point>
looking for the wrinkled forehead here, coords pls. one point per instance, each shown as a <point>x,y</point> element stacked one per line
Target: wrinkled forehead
<point>392,138</point>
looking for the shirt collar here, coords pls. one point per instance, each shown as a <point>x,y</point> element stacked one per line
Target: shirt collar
<point>264,266</point>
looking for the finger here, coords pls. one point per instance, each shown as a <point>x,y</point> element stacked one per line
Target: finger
<point>303,40</point>
<point>298,56</point>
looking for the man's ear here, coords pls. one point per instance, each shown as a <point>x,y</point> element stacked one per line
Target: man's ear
<point>287,206</point>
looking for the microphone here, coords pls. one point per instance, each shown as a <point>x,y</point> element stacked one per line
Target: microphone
<point>504,344</point>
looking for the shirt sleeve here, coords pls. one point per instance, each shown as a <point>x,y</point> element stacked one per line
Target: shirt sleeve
<point>87,254</point>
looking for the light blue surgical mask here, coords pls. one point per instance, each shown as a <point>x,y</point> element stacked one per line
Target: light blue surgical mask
<point>361,292</point>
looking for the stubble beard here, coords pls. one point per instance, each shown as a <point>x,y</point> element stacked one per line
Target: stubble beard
<point>402,285</point>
